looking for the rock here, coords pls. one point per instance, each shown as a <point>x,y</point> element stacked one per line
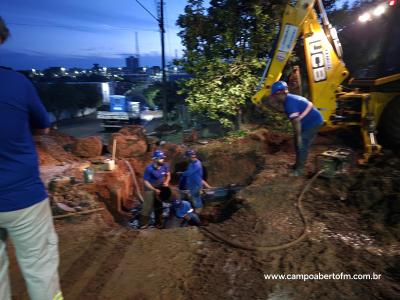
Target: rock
<point>88,147</point>
<point>131,142</point>
<point>259,135</point>
<point>133,130</point>
<point>128,146</point>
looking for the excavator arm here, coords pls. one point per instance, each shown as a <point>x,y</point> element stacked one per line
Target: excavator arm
<point>326,71</point>
<point>291,28</point>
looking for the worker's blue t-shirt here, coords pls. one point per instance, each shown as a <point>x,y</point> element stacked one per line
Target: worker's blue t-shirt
<point>20,111</point>
<point>156,176</point>
<point>295,105</point>
<point>181,208</point>
<point>193,176</point>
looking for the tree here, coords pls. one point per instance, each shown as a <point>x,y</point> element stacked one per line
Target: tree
<point>225,50</point>
<point>222,89</point>
<point>88,96</point>
<point>154,96</point>
<point>60,97</point>
<point>56,98</point>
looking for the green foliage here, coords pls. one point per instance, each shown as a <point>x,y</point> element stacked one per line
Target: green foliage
<point>222,88</point>
<point>276,121</point>
<point>154,95</point>
<point>225,49</point>
<point>151,93</point>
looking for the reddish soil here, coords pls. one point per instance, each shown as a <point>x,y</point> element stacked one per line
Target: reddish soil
<point>354,228</point>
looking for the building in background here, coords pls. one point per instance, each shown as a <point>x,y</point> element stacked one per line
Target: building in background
<point>132,64</point>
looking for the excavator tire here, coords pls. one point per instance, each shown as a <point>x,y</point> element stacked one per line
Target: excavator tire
<point>389,125</point>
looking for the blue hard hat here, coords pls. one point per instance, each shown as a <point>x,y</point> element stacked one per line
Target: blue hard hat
<point>158,154</point>
<point>190,153</point>
<point>279,86</point>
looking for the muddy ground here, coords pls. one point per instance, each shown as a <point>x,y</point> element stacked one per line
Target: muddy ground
<point>354,228</point>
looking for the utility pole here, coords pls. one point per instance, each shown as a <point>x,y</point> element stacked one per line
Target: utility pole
<point>164,75</point>
<point>160,21</point>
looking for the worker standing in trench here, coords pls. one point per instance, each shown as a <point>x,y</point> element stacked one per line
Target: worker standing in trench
<point>25,213</point>
<point>193,179</point>
<point>305,118</point>
<point>156,175</point>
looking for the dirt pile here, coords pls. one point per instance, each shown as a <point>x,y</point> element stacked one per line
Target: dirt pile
<point>91,146</point>
<point>239,160</point>
<point>375,192</point>
<point>131,142</point>
<point>52,148</point>
<point>166,128</point>
<point>192,136</point>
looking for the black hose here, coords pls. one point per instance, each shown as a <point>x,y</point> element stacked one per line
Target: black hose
<point>221,238</point>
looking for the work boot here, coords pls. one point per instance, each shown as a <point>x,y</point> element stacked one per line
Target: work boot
<point>144,222</point>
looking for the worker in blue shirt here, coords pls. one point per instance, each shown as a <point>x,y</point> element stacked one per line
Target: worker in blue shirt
<point>156,175</point>
<point>181,211</point>
<point>305,118</point>
<point>193,179</point>
<point>184,211</point>
<point>25,213</point>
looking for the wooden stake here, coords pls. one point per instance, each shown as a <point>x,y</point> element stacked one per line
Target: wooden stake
<point>114,149</point>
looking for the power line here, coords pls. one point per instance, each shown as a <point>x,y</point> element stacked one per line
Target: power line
<point>81,28</point>
<point>145,8</point>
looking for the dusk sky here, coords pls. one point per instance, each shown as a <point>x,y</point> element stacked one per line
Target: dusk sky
<point>81,32</point>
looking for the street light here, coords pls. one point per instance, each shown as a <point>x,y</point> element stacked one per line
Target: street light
<point>379,10</point>
<point>365,17</point>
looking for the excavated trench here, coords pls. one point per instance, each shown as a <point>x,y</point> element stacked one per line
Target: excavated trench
<point>221,201</point>
<point>354,229</point>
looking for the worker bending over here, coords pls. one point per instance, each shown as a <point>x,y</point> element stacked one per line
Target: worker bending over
<point>305,118</point>
<point>182,213</point>
<point>156,175</point>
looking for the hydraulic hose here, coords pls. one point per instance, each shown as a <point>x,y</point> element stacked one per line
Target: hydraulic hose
<point>236,244</point>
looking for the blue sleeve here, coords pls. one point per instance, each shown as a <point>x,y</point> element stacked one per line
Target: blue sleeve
<point>166,166</point>
<point>147,174</point>
<point>192,169</point>
<point>39,117</point>
<point>292,109</point>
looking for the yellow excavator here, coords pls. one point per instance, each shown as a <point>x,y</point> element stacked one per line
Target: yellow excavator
<point>369,102</point>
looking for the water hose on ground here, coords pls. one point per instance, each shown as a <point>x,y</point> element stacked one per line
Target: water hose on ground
<point>236,244</point>
<point>138,193</point>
